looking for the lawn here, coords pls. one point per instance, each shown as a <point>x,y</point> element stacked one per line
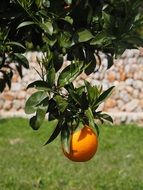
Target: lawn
<point>25,164</point>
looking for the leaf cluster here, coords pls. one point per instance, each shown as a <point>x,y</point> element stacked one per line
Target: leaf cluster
<point>66,106</point>
<point>79,29</point>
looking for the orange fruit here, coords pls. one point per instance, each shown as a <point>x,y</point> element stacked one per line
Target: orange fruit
<point>83,145</point>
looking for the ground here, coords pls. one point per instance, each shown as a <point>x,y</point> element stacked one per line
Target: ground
<point>25,164</point>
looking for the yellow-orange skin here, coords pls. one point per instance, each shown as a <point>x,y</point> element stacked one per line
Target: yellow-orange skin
<point>83,145</point>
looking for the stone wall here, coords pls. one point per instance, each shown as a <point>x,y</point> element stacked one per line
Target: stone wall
<point>125,104</point>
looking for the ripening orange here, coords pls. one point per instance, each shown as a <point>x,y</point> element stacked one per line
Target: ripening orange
<point>83,145</point>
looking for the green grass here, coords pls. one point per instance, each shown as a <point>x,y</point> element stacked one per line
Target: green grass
<point>25,164</point>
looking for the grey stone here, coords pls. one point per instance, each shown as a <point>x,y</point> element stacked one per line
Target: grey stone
<point>16,105</point>
<point>1,103</point>
<point>131,106</point>
<point>16,87</point>
<point>138,84</point>
<point>120,104</point>
<point>124,96</point>
<point>21,95</point>
<point>135,93</point>
<point>129,81</point>
<point>138,75</point>
<point>7,105</point>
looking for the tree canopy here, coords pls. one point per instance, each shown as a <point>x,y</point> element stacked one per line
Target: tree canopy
<point>78,30</point>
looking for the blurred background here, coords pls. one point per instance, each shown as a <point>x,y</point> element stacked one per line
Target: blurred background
<point>126,74</point>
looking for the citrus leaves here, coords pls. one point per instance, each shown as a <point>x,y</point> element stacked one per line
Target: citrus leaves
<point>34,100</point>
<point>38,103</point>
<point>96,96</point>
<point>77,106</point>
<point>91,120</point>
<point>65,137</point>
<point>70,73</point>
<point>21,59</point>
<point>84,35</point>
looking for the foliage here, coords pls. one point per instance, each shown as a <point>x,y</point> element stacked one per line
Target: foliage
<point>78,30</point>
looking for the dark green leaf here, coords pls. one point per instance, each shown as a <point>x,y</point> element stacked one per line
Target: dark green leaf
<point>57,61</point>
<point>106,117</point>
<point>61,103</point>
<point>15,44</point>
<point>74,96</point>
<point>21,59</point>
<point>90,117</point>
<point>65,40</point>
<point>92,92</point>
<point>104,95</point>
<point>51,77</point>
<point>55,133</point>
<point>65,138</point>
<point>33,101</point>
<point>110,61</point>
<point>2,85</point>
<point>36,121</point>
<point>32,122</point>
<point>70,73</point>
<point>101,39</point>
<point>39,84</point>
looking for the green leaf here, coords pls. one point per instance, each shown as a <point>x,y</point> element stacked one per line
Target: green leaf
<point>84,35</point>
<point>36,121</point>
<point>56,132</point>
<point>70,73</point>
<point>21,59</point>
<point>25,23</point>
<point>48,27</point>
<point>65,138</point>
<point>40,85</point>
<point>106,117</point>
<point>51,77</point>
<point>57,60</point>
<point>102,39</point>
<point>104,95</point>
<point>64,39</point>
<point>74,96</point>
<point>68,19</point>
<point>110,61</point>
<point>38,3</point>
<point>33,101</point>
<point>32,122</point>
<point>61,103</point>
<point>92,92</point>
<point>90,117</point>
<point>15,44</point>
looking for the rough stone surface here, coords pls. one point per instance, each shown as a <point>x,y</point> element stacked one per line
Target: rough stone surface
<point>126,75</point>
<point>131,106</point>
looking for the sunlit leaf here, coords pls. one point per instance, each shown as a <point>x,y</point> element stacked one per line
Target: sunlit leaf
<point>17,44</point>
<point>40,85</point>
<point>25,23</point>
<point>33,101</point>
<point>70,73</point>
<point>84,35</point>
